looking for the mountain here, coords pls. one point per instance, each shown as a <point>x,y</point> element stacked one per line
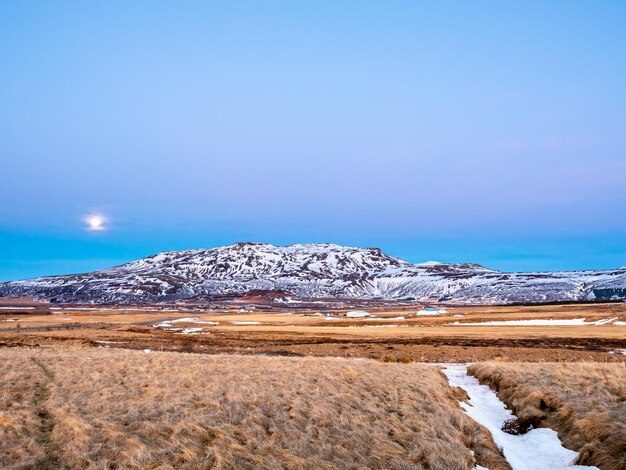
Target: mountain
<point>314,271</point>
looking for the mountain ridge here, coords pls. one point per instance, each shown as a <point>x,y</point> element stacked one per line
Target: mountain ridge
<point>320,270</point>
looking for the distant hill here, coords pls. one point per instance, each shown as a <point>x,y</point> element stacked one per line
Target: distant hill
<point>314,271</point>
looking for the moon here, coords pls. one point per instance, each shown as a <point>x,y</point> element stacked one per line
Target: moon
<point>95,222</point>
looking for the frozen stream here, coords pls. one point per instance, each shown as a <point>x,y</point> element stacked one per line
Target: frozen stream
<point>538,449</point>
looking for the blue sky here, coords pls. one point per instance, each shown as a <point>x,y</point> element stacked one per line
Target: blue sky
<point>490,132</point>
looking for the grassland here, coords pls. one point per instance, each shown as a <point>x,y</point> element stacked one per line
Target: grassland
<point>105,408</point>
<point>77,390</point>
<point>429,339</point>
<point>584,402</point>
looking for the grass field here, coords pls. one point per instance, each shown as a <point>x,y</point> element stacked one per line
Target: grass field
<point>584,402</point>
<point>430,339</point>
<point>105,408</point>
<point>77,390</point>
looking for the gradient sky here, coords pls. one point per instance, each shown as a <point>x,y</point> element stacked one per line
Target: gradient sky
<point>490,132</point>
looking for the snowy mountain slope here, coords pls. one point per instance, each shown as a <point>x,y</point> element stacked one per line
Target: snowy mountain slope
<point>310,271</point>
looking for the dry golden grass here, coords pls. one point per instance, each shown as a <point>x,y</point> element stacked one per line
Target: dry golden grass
<point>20,396</point>
<point>101,408</point>
<point>584,402</point>
<point>411,327</point>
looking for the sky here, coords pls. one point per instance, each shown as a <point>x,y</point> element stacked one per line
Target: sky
<point>487,132</point>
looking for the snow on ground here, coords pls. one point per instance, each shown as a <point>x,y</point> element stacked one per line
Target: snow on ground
<point>168,323</point>
<point>538,449</point>
<point>382,326</point>
<point>189,331</point>
<point>620,323</point>
<point>245,322</point>
<point>17,308</point>
<point>538,322</point>
<point>189,320</point>
<point>331,318</point>
<point>422,313</point>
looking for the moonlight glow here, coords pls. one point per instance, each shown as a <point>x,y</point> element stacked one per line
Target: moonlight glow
<point>95,222</point>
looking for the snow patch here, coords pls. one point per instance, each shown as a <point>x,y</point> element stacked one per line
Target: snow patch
<point>538,449</point>
<point>381,326</point>
<point>537,322</point>
<point>189,331</point>
<point>168,323</point>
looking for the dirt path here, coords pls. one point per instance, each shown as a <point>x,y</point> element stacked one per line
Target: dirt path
<point>46,420</point>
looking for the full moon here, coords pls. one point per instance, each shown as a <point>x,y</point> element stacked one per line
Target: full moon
<point>95,222</point>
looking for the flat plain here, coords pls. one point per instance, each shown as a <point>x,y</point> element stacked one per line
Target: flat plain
<point>578,332</point>
<point>154,387</point>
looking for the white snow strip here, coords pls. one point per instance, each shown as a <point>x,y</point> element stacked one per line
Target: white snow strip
<point>381,326</point>
<point>245,322</point>
<point>17,308</point>
<point>536,322</point>
<point>620,323</point>
<point>332,318</point>
<point>189,331</point>
<point>187,320</point>
<point>538,449</point>
<point>168,323</point>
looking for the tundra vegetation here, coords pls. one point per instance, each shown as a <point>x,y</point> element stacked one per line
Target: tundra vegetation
<point>284,388</point>
<point>114,408</point>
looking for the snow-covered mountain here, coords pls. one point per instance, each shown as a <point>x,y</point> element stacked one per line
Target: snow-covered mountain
<point>314,271</point>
